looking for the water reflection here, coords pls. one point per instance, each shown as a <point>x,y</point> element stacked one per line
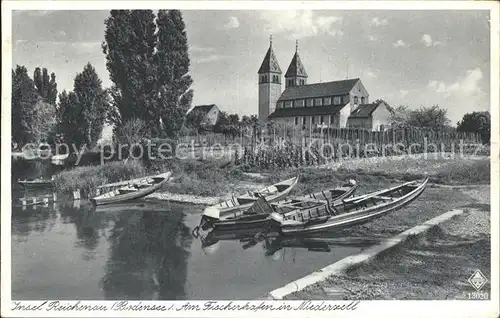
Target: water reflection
<point>33,219</point>
<point>32,169</point>
<point>274,243</point>
<point>148,256</point>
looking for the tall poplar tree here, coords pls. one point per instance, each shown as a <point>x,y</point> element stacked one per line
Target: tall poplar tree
<point>129,47</point>
<point>93,103</point>
<point>46,87</point>
<point>174,81</point>
<point>82,113</point>
<point>24,99</point>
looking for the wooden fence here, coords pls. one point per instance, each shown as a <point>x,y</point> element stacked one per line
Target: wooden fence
<point>282,136</point>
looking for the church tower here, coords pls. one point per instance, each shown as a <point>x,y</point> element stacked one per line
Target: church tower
<point>269,83</point>
<point>296,73</point>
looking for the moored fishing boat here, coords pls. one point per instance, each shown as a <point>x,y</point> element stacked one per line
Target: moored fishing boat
<point>348,212</point>
<point>275,192</point>
<point>132,191</point>
<point>258,215</point>
<point>36,183</point>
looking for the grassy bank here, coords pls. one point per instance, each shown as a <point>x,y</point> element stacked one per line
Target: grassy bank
<point>433,265</point>
<point>218,177</point>
<point>87,178</point>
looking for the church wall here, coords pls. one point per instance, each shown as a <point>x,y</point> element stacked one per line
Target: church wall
<point>381,116</point>
<point>359,94</point>
<point>344,114</point>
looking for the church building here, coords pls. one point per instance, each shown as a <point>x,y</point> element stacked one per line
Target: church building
<point>336,104</point>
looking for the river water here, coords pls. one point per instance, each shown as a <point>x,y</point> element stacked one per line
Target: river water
<point>145,250</point>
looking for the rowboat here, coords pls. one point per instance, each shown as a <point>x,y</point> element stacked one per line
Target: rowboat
<point>132,191</point>
<point>348,212</point>
<point>37,183</point>
<point>258,215</point>
<point>271,193</point>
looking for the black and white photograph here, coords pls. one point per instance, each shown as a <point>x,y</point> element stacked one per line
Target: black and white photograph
<point>250,159</point>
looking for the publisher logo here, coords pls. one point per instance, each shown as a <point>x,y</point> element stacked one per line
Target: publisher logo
<point>477,280</point>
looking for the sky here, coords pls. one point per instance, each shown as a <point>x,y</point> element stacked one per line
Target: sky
<point>413,58</point>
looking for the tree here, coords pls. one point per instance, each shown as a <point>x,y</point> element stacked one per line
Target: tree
<point>425,117</point>
<point>174,81</point>
<point>45,87</point>
<point>24,99</point>
<point>44,123</point>
<point>132,132</point>
<point>150,70</point>
<point>92,102</point>
<point>68,113</point>
<point>478,122</point>
<point>81,114</point>
<point>234,119</point>
<point>129,48</point>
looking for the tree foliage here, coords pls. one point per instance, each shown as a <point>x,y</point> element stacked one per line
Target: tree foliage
<point>431,117</point>
<point>175,95</point>
<point>82,113</point>
<point>478,122</point>
<point>24,98</point>
<point>46,87</point>
<point>132,132</point>
<point>148,63</point>
<point>33,118</point>
<point>129,46</point>
<point>93,103</point>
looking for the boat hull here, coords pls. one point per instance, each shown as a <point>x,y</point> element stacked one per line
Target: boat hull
<point>263,220</point>
<point>32,185</point>
<point>228,208</point>
<point>119,198</point>
<point>354,218</point>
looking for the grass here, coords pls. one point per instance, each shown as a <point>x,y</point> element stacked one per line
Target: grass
<point>441,171</point>
<point>87,178</point>
<point>213,177</point>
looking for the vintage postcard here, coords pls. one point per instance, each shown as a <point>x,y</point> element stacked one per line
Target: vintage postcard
<point>240,159</point>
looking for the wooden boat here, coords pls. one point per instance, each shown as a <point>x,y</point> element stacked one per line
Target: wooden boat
<point>272,193</point>
<point>258,215</point>
<point>348,212</point>
<point>132,191</point>
<point>37,183</point>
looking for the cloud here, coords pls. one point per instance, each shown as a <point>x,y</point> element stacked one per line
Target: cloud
<point>468,85</point>
<point>232,23</point>
<point>372,38</point>
<point>211,58</point>
<point>32,13</point>
<point>369,74</point>
<point>87,47</point>
<point>376,21</point>
<point>200,49</point>
<point>403,93</point>
<point>399,43</point>
<point>427,40</point>
<point>296,23</point>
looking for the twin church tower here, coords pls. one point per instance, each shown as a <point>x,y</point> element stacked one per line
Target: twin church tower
<point>270,80</point>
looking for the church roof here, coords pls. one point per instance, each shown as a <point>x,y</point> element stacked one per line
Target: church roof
<point>306,111</point>
<point>296,68</point>
<point>201,109</point>
<point>335,88</point>
<point>270,63</point>
<point>366,110</point>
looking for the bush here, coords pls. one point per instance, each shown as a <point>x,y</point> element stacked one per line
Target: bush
<point>466,172</point>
